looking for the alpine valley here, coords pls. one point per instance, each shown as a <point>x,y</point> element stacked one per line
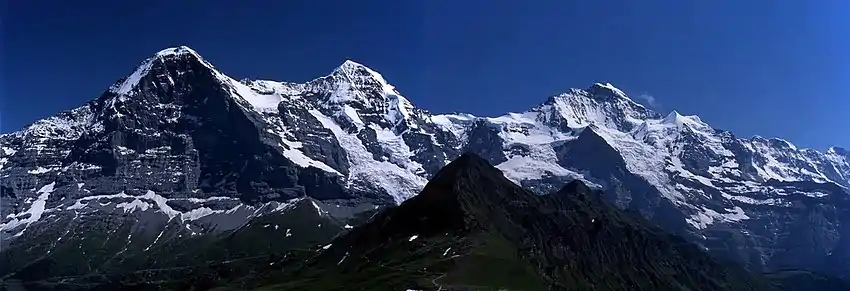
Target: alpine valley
<point>180,171</point>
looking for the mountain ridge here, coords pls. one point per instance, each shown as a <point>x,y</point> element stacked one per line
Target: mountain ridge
<point>195,137</point>
<point>186,50</point>
<point>470,227</point>
<point>470,218</point>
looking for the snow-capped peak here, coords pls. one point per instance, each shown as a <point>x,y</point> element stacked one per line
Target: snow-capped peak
<point>352,65</point>
<point>127,85</point>
<point>354,87</point>
<point>177,51</point>
<point>601,104</point>
<point>783,143</point>
<point>674,118</point>
<point>607,90</point>
<point>774,142</point>
<point>259,95</point>
<point>838,151</point>
<point>354,69</point>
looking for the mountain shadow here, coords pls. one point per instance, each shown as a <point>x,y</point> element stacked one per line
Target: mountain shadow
<point>185,261</point>
<point>473,229</point>
<point>469,229</point>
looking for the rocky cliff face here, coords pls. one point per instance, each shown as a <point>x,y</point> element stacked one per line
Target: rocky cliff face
<point>178,143</point>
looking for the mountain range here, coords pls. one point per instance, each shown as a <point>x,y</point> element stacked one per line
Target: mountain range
<point>178,150</point>
<point>472,229</point>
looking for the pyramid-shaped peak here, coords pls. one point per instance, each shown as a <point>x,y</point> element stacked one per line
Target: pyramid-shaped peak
<point>606,90</point>
<point>466,170</point>
<point>838,151</point>
<point>685,121</point>
<point>674,118</point>
<point>178,54</point>
<point>778,142</point>
<point>758,138</point>
<point>355,68</point>
<point>470,161</point>
<point>177,51</point>
<point>469,185</point>
<point>363,78</point>
<point>352,64</point>
<point>167,55</point>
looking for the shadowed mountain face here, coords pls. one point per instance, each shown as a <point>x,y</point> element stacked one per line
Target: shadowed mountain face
<point>473,228</point>
<point>469,229</point>
<point>113,259</point>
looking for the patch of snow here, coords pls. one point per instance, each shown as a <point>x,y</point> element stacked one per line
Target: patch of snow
<point>125,150</point>
<point>177,51</point>
<point>521,168</point>
<point>298,157</point>
<point>398,182</point>
<point>319,210</point>
<point>286,205</point>
<point>133,80</point>
<point>400,109</point>
<point>736,214</point>
<point>259,102</point>
<point>457,124</point>
<point>208,199</point>
<point>642,160</point>
<point>42,170</point>
<point>162,203</point>
<point>157,238</point>
<point>292,151</point>
<point>139,204</point>
<point>699,220</point>
<point>77,205</point>
<point>705,217</point>
<point>158,150</point>
<point>352,115</point>
<point>399,151</point>
<point>34,213</point>
<point>133,206</point>
<point>8,151</point>
<point>343,259</point>
<point>197,213</point>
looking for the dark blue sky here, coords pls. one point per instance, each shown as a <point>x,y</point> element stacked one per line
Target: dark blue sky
<point>776,70</point>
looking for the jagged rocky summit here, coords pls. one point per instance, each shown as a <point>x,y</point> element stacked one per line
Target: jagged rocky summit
<point>178,149</point>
